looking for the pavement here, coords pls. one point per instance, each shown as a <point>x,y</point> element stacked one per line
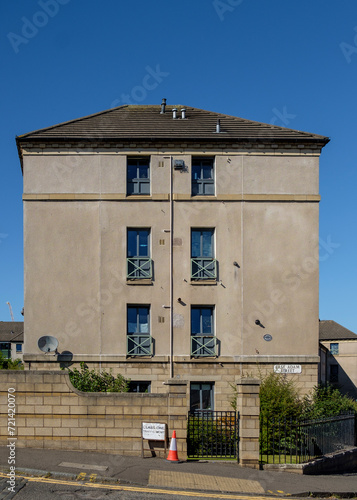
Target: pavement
<point>214,476</point>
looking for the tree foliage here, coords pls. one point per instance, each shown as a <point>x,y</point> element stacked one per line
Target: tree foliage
<point>86,380</point>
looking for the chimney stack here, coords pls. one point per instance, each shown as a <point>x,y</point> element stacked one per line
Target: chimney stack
<point>183,113</point>
<point>174,113</point>
<point>163,106</point>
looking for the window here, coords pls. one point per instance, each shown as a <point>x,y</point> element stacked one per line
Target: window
<point>201,396</point>
<point>135,386</point>
<point>203,341</point>
<point>203,263</point>
<point>139,341</point>
<point>139,264</point>
<point>334,349</point>
<point>202,176</point>
<point>5,349</point>
<point>138,176</point>
<point>333,373</point>
<point>18,347</point>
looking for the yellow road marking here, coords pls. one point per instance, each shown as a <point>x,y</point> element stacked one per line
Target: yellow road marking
<point>139,489</point>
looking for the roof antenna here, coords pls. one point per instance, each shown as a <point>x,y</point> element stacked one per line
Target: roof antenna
<point>163,106</point>
<point>218,126</point>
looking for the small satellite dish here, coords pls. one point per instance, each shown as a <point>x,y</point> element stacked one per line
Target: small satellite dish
<point>48,344</point>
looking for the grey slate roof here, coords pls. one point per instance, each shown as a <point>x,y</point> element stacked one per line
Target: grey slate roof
<point>11,331</point>
<point>330,330</point>
<point>146,122</point>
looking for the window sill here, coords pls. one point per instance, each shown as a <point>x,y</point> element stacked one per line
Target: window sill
<point>139,282</point>
<point>202,196</point>
<point>139,356</point>
<point>138,196</point>
<point>203,282</point>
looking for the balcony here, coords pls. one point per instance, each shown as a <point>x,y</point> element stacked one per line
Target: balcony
<point>139,345</point>
<point>139,268</point>
<point>204,345</point>
<point>203,268</point>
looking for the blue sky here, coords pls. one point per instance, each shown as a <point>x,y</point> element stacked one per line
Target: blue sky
<point>290,63</point>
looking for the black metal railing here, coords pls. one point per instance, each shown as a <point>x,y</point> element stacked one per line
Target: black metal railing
<point>291,441</point>
<point>212,434</point>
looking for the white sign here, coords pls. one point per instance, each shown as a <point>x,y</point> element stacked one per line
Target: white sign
<point>154,432</point>
<point>287,368</point>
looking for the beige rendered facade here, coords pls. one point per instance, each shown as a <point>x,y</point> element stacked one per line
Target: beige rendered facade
<point>173,253</point>
<point>338,354</point>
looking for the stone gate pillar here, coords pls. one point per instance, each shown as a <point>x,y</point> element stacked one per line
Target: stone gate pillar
<point>248,405</point>
<point>177,413</point>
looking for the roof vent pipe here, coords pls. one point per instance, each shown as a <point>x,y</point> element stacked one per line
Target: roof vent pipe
<point>183,113</point>
<point>163,106</point>
<point>174,113</point>
<point>218,126</point>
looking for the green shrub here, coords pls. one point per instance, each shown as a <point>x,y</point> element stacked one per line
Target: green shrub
<point>9,364</point>
<point>279,398</point>
<point>327,401</point>
<point>86,380</point>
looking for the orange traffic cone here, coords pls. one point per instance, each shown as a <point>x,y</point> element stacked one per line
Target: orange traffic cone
<point>172,456</point>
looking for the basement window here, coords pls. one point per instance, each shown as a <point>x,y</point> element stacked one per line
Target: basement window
<point>136,386</point>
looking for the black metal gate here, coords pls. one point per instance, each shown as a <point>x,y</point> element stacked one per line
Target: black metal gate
<point>212,434</point>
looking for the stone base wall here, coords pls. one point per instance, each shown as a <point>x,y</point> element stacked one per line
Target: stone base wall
<point>50,413</point>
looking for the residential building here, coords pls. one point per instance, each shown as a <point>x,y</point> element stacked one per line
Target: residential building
<point>173,242</point>
<point>11,339</point>
<point>338,353</point>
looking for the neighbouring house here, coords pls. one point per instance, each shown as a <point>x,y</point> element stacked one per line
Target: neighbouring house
<point>170,242</point>
<point>338,353</point>
<point>12,339</point>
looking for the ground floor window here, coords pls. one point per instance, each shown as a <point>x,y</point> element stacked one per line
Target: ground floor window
<point>139,386</point>
<point>5,349</point>
<point>201,396</point>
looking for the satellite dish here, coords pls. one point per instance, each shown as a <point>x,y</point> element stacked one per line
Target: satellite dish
<point>48,344</point>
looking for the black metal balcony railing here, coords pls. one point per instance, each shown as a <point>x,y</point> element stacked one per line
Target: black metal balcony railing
<point>139,268</point>
<point>203,268</point>
<point>204,345</point>
<point>139,345</point>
